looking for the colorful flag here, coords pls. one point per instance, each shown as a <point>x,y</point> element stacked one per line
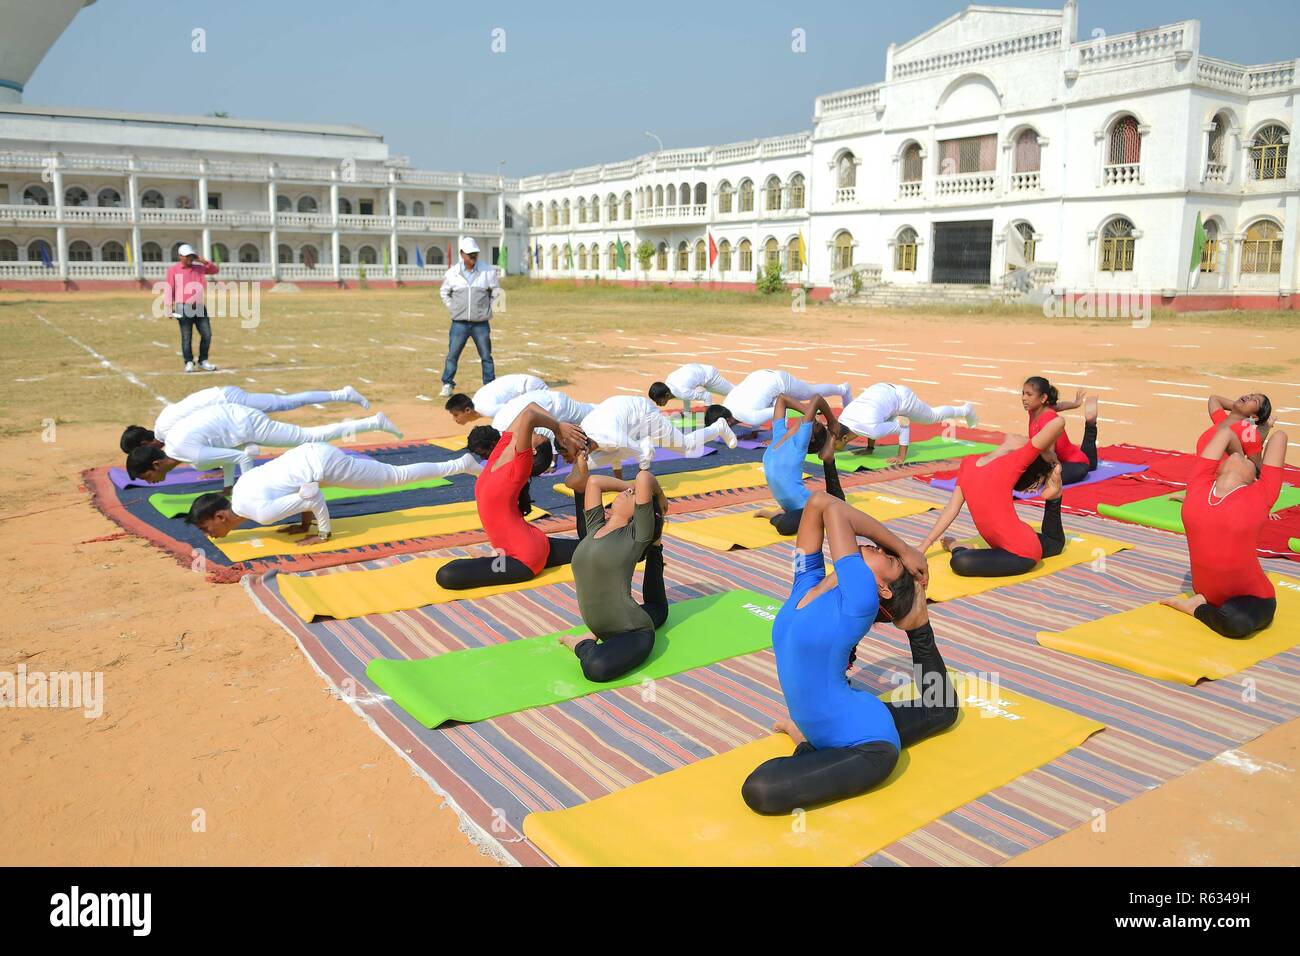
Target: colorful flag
<point>130,256</point>
<point>620,256</point>
<point>216,253</point>
<point>385,258</point>
<point>503,260</point>
<point>537,255</point>
<point>1199,240</point>
<point>44,251</point>
<point>713,251</point>
<point>568,256</point>
<point>803,253</point>
<point>419,257</point>
<point>450,257</point>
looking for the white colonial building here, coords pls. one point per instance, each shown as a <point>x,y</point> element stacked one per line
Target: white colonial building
<point>90,196</point>
<point>999,142</point>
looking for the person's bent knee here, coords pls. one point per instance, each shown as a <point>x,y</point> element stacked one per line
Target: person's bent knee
<point>764,796</point>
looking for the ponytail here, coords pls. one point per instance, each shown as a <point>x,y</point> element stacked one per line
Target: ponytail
<point>1043,387</point>
<point>1265,410</point>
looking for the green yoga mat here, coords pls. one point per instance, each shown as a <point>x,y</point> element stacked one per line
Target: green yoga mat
<point>485,682</point>
<point>1166,511</point>
<point>173,506</point>
<point>932,449</point>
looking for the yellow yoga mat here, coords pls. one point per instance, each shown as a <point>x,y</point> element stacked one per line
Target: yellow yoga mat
<point>726,532</point>
<point>1166,644</point>
<point>452,442</point>
<point>399,587</point>
<point>249,544</point>
<point>694,816</point>
<point>1079,549</point>
<point>684,483</point>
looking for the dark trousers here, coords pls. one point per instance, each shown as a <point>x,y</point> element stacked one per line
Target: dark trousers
<point>462,332</point>
<point>1072,471</point>
<point>615,654</point>
<point>1239,616</point>
<point>190,318</point>
<point>997,563</point>
<point>787,522</point>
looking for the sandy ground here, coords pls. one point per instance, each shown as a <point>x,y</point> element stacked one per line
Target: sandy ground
<point>220,745</point>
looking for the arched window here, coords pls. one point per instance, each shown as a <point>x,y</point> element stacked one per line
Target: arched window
<point>75,196</point>
<point>1117,246</point>
<point>345,206</point>
<point>108,197</point>
<point>564,213</point>
<point>771,253</point>
<point>471,212</point>
<point>846,171</point>
<point>35,196</point>
<point>593,209</point>
<point>724,195</point>
<point>1125,143</point>
<point>1268,152</point>
<point>553,213</point>
<point>611,207</point>
<point>80,251</point>
<point>555,258</point>
<point>611,256</point>
<point>746,195</point>
<point>112,251</point>
<point>283,203</point>
<point>1261,252</point>
<point>724,256</point>
<point>701,194</point>
<point>249,253</point>
<point>683,257</point>
<point>1029,155</point>
<point>345,256</point>
<point>627,254</point>
<point>843,252</point>
<point>772,190</point>
<point>307,204</point>
<point>582,256</point>
<point>283,254</point>
<point>8,250</point>
<point>152,199</point>
<point>366,256</point>
<point>402,256</point>
<point>510,216</point>
<point>176,251</point>
<point>1217,155</point>
<point>670,195</point>
<point>34,250</point>
<point>220,253</point>
<point>905,250</point>
<point>399,205</point>
<point>417,209</point>
<point>912,165</point>
<point>1210,254</point>
<point>701,256</point>
<point>434,256</point>
<point>796,191</point>
<point>661,259</point>
<point>684,194</point>
<point>746,256</point>
<point>794,255</point>
<point>151,252</point>
<point>582,209</point>
<point>309,255</point>
<point>1030,248</point>
<point>627,205</point>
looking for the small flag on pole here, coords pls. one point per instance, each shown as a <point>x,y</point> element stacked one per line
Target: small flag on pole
<point>713,251</point>
<point>216,253</point>
<point>386,260</point>
<point>130,256</point>
<point>44,251</point>
<point>419,257</point>
<point>1199,240</point>
<point>503,260</point>
<point>803,253</point>
<point>620,254</point>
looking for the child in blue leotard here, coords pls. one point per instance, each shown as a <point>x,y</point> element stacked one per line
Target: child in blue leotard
<point>848,740</point>
<point>784,457</point>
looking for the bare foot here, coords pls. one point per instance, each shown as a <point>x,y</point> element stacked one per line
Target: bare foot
<point>571,641</point>
<point>1187,605</point>
<point>948,542</point>
<point>1090,408</point>
<point>766,513</point>
<point>1052,486</point>
<point>786,726</point>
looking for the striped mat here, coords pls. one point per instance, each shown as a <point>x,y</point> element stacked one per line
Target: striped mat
<point>495,772</point>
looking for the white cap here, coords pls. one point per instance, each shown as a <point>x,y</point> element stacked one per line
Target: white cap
<point>186,250</point>
<point>467,244</point>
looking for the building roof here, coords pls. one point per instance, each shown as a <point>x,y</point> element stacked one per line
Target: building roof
<point>173,119</point>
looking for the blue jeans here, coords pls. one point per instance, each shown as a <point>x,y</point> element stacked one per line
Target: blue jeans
<point>190,318</point>
<point>462,332</point>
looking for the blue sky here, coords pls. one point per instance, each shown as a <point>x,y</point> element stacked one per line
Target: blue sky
<point>578,83</point>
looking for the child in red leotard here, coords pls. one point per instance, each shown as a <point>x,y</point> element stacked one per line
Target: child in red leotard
<point>985,483</point>
<point>1224,507</point>
<point>1248,416</point>
<point>1041,400</point>
<point>522,550</point>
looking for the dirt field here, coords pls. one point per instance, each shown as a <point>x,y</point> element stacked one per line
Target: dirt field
<point>213,716</point>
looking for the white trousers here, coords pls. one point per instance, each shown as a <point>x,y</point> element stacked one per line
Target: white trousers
<point>874,413</point>
<point>267,431</point>
<point>639,441</point>
<point>797,389</point>
<point>269,402</point>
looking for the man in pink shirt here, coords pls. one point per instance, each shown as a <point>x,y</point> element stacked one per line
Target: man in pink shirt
<point>185,295</point>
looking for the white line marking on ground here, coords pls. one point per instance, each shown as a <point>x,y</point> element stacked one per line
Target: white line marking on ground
<point>919,381</point>
<point>972,365</point>
<point>1004,390</point>
<point>802,368</point>
<point>898,368</point>
<point>995,378</point>
<point>1190,398</point>
<point>1100,388</point>
<point>1157,381</point>
<point>624,388</point>
<point>424,398</point>
<point>105,363</point>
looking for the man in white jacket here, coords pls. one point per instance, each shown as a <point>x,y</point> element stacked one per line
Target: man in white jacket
<point>469,291</point>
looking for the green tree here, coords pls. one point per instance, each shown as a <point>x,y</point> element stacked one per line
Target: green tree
<point>644,253</point>
<point>770,280</point>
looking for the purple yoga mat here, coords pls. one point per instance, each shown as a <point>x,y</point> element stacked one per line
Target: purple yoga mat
<point>1105,469</point>
<point>184,475</point>
<point>661,454</point>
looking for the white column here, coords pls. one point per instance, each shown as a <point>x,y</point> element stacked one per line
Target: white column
<point>334,226</point>
<point>501,213</point>
<point>133,200</point>
<point>61,231</point>
<point>460,208</point>
<point>272,198</point>
<point>392,219</point>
